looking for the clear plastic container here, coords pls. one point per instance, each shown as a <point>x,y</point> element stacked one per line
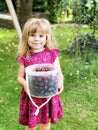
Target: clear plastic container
<point>42,80</point>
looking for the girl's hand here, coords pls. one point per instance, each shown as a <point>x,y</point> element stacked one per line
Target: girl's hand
<point>60,83</point>
<point>60,77</point>
<point>60,86</point>
<point>60,90</point>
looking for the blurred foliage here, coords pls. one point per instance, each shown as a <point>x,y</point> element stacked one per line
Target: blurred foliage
<point>86,12</point>
<point>39,6</point>
<point>57,10</point>
<point>3,6</point>
<point>83,11</point>
<point>84,45</point>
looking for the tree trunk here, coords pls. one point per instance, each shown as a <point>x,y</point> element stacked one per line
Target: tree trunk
<point>24,10</point>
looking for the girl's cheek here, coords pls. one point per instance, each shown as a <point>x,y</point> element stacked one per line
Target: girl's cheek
<point>44,39</point>
<point>29,40</point>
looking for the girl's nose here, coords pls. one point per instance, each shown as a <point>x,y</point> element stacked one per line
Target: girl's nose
<point>36,37</point>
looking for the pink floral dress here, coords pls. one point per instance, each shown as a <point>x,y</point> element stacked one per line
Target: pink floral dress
<point>53,109</point>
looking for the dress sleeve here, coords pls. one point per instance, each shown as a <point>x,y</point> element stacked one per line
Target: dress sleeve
<point>20,59</point>
<point>55,53</point>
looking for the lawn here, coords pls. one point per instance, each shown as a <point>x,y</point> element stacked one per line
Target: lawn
<point>80,95</point>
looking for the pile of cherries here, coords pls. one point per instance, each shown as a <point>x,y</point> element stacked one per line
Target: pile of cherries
<point>43,85</point>
<point>40,68</point>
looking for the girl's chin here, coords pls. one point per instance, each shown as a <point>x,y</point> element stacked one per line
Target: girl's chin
<point>37,50</point>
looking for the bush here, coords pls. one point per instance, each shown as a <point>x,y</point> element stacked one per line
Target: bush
<point>39,6</point>
<point>56,10</point>
<point>84,42</point>
<point>86,12</point>
<point>3,6</point>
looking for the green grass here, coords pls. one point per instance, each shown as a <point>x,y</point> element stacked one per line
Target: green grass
<point>80,95</point>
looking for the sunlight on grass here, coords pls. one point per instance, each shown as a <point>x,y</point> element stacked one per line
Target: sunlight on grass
<point>4,33</point>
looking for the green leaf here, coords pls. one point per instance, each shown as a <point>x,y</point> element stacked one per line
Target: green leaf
<point>89,4</point>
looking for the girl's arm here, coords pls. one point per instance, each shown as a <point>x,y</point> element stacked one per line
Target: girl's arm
<point>21,75</point>
<point>61,78</point>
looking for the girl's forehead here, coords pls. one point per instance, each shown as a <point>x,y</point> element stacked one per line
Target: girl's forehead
<point>37,30</point>
<point>38,27</point>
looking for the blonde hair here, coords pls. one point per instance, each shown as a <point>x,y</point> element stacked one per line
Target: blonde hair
<point>32,26</point>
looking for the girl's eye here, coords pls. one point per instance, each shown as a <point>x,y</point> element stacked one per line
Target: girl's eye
<point>32,35</point>
<point>41,35</point>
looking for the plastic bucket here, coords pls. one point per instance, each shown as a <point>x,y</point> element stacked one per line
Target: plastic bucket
<point>42,82</point>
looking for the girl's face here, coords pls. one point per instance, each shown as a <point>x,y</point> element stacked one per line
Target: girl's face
<point>37,42</point>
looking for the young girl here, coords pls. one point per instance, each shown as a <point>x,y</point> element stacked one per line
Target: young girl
<point>36,47</point>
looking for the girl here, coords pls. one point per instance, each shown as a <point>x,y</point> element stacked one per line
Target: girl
<point>36,47</point>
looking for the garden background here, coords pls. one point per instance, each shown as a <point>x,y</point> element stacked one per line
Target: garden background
<point>78,41</point>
